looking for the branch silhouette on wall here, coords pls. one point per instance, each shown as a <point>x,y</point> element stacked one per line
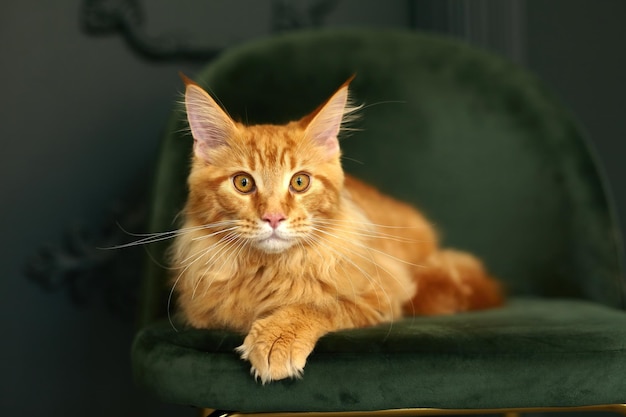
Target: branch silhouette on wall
<point>127,19</point>
<point>85,265</point>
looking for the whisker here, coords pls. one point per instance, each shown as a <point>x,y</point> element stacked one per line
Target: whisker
<point>352,160</point>
<point>169,304</point>
<point>147,238</point>
<point>352,222</point>
<point>367,106</point>
<point>365,247</point>
<point>369,251</point>
<point>240,244</point>
<point>365,273</point>
<point>371,233</point>
<point>203,237</point>
<point>225,244</point>
<point>197,256</point>
<point>313,243</point>
<point>205,250</point>
<point>156,237</point>
<point>154,259</point>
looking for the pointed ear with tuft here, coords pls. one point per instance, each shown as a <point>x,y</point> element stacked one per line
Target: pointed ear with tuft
<point>323,124</point>
<point>210,126</point>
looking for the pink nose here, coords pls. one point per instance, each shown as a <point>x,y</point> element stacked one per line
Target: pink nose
<point>273,219</point>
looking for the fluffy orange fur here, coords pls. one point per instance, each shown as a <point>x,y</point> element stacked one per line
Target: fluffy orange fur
<point>280,245</point>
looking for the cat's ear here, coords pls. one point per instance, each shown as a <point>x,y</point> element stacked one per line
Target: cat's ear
<point>323,124</point>
<point>210,126</point>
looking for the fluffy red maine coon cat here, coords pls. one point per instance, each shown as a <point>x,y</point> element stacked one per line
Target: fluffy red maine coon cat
<point>278,243</point>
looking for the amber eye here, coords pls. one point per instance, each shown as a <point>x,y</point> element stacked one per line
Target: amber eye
<point>300,182</point>
<point>244,183</point>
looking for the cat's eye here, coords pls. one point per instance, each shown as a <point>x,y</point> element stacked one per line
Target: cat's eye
<point>300,182</point>
<point>244,183</point>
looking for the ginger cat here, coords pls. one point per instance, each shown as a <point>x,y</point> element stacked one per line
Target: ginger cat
<point>280,245</point>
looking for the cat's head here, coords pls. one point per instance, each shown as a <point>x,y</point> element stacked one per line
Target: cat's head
<point>268,186</point>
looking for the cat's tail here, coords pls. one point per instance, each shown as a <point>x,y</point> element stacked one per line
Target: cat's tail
<point>451,281</point>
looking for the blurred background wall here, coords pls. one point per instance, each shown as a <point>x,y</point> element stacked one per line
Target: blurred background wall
<point>79,127</point>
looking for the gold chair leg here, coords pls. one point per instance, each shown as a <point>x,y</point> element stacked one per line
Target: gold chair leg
<point>614,408</point>
<point>619,408</point>
<point>209,412</point>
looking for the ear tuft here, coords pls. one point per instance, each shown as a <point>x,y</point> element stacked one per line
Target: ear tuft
<point>324,124</point>
<point>210,126</point>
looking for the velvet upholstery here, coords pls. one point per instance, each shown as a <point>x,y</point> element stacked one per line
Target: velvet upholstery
<point>533,352</point>
<point>501,169</point>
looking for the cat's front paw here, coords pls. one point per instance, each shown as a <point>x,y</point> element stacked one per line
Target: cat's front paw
<point>275,352</point>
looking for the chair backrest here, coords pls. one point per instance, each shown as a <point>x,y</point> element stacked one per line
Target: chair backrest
<point>472,140</point>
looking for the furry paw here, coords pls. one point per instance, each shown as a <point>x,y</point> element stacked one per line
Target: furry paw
<point>274,352</point>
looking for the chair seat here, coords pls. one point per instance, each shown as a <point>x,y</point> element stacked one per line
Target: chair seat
<point>533,351</point>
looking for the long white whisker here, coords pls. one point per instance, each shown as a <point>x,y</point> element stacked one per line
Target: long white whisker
<point>358,267</point>
<point>197,256</point>
<point>147,238</point>
<point>369,233</point>
<point>369,251</point>
<point>207,236</point>
<point>352,222</point>
<point>169,304</point>
<point>240,244</point>
<point>225,244</point>
<point>210,247</point>
<point>313,243</point>
<point>365,247</point>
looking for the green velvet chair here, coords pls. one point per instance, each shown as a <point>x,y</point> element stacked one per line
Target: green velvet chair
<point>501,169</point>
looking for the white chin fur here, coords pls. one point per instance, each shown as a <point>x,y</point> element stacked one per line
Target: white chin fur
<point>274,244</point>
